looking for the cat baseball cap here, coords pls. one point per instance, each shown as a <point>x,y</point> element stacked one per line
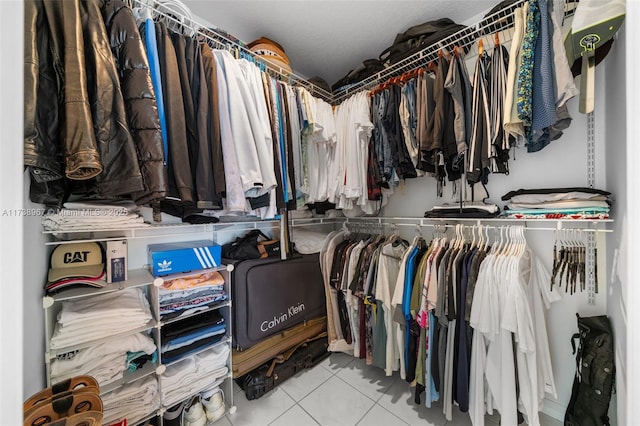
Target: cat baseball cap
<point>76,260</point>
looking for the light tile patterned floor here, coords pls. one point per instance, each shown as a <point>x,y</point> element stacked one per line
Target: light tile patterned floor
<point>344,391</point>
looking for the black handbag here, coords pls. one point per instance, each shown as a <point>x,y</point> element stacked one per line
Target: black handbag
<point>253,245</point>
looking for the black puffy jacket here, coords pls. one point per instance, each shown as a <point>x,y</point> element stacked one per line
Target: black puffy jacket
<point>139,98</point>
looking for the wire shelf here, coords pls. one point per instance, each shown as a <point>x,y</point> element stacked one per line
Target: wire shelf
<point>499,22</point>
<point>218,39</point>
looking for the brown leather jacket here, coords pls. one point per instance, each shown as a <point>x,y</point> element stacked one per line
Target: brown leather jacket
<point>41,147</point>
<point>94,140</point>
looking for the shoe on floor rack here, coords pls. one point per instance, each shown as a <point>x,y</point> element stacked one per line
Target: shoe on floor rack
<point>173,415</point>
<point>193,414</point>
<point>213,402</point>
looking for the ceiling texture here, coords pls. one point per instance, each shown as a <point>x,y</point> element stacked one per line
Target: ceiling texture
<point>330,38</point>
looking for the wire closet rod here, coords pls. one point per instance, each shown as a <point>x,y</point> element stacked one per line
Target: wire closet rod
<point>464,39</point>
<point>432,223</point>
<point>526,228</point>
<point>221,41</point>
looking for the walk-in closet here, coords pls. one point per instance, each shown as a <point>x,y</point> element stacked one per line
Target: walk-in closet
<point>445,209</point>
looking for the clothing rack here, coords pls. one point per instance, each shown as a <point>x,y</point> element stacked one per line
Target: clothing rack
<point>592,226</point>
<point>369,228</point>
<point>218,39</point>
<point>465,40</point>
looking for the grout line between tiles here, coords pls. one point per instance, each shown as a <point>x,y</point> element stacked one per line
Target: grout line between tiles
<point>381,394</point>
<point>285,412</point>
<point>334,372</point>
<point>365,414</point>
<point>344,381</point>
<point>308,393</point>
<point>308,413</point>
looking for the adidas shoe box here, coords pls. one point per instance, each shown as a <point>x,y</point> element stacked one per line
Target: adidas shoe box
<point>177,258</point>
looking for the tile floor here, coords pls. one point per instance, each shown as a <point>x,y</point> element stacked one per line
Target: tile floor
<point>343,391</point>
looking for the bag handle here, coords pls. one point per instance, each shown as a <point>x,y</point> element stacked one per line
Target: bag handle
<point>256,232</point>
<point>287,354</point>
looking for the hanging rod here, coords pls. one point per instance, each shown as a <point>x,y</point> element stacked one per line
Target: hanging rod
<point>527,223</point>
<point>216,39</point>
<point>464,39</point>
<point>526,228</point>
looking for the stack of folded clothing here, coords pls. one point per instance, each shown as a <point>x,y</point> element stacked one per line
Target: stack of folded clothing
<point>557,203</point>
<point>185,296</point>
<point>100,316</point>
<point>94,215</point>
<point>194,373</point>
<point>75,265</point>
<point>469,209</point>
<point>132,402</point>
<point>106,362</point>
<point>182,338</point>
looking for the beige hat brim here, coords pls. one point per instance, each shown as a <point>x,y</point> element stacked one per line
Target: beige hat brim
<point>89,271</point>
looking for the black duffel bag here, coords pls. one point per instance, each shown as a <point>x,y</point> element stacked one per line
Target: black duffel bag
<point>369,67</point>
<point>253,245</point>
<point>417,38</point>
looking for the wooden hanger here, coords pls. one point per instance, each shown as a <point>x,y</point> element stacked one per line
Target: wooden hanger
<point>480,47</point>
<point>496,39</point>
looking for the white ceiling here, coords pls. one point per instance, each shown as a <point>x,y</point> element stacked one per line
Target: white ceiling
<point>330,38</point>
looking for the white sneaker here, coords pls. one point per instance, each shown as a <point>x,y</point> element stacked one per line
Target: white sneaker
<point>194,415</point>
<point>214,405</point>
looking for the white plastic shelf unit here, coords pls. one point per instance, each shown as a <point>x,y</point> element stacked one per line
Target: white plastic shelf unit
<point>224,308</point>
<point>142,279</point>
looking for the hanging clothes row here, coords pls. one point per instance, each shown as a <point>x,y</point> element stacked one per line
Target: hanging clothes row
<point>450,123</point>
<point>170,121</point>
<point>461,319</point>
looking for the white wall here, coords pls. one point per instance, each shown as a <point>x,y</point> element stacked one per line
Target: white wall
<point>628,266</point>
<point>11,364</point>
<point>35,267</point>
<point>617,253</point>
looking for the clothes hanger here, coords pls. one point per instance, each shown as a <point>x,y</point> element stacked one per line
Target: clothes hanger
<point>517,242</point>
<point>502,242</point>
<point>480,47</point>
<point>556,262</point>
<point>177,16</point>
<point>473,237</point>
<point>522,242</point>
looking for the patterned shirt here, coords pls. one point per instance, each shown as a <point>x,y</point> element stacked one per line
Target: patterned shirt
<point>525,78</point>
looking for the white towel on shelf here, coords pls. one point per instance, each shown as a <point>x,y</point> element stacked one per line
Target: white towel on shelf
<point>100,316</point>
<point>106,362</point>
<point>133,401</point>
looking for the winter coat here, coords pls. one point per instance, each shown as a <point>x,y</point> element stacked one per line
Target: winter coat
<point>139,98</point>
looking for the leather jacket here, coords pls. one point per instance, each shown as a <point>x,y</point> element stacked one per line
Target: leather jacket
<point>94,141</point>
<point>139,98</point>
<point>42,150</point>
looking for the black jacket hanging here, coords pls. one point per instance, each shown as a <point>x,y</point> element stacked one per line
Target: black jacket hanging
<point>139,98</point>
